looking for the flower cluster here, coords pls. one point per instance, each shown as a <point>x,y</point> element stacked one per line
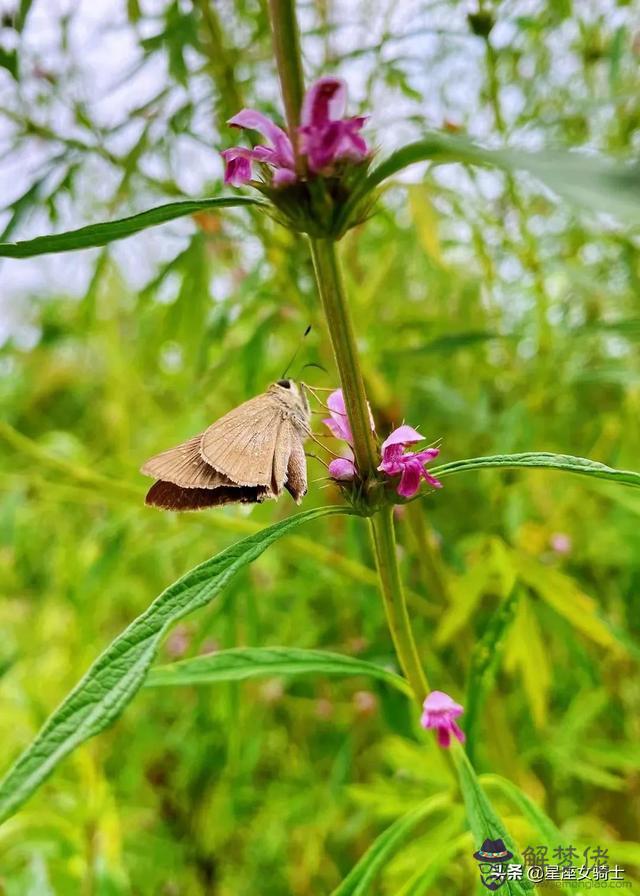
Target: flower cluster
<point>325,137</point>
<point>395,460</point>
<point>440,714</point>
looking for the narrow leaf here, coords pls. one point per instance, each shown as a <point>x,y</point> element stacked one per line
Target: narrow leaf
<point>115,677</point>
<point>109,231</point>
<point>591,182</point>
<point>485,662</point>
<point>541,459</point>
<point>483,820</point>
<point>254,662</point>
<point>358,881</point>
<point>537,818</point>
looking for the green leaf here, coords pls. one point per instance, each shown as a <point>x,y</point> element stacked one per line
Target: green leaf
<point>9,61</point>
<point>115,677</point>
<point>358,881</point>
<point>253,662</point>
<point>540,459</point>
<point>21,16</point>
<point>110,231</point>
<point>484,822</point>
<point>588,181</point>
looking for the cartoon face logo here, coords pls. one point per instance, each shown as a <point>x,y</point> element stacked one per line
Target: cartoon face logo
<point>492,858</point>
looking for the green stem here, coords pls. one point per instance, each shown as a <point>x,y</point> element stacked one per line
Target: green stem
<point>343,340</point>
<point>394,602</point>
<point>286,42</point>
<point>286,46</point>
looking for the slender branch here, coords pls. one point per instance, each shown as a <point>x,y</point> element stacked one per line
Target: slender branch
<point>286,42</point>
<point>394,602</point>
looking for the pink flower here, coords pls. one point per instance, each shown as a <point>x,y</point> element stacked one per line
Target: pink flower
<point>338,422</point>
<point>342,468</point>
<point>408,465</point>
<point>238,168</point>
<point>561,543</point>
<point>278,152</point>
<point>440,713</point>
<point>326,136</point>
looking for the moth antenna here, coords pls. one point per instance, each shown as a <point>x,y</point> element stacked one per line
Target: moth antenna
<point>295,354</point>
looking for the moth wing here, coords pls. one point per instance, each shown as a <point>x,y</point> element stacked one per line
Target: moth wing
<point>184,466</point>
<point>296,483</point>
<point>169,496</point>
<point>241,445</point>
<point>281,454</point>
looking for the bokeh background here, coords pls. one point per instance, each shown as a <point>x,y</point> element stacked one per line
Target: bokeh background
<point>490,315</point>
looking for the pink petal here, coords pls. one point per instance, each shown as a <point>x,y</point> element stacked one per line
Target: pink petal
<point>428,454</point>
<point>256,121</point>
<point>283,176</point>
<point>265,154</point>
<point>444,737</point>
<point>324,101</point>
<point>342,468</point>
<point>392,460</point>
<point>410,480</point>
<point>238,166</point>
<point>438,701</point>
<point>426,475</point>
<point>459,733</point>
<point>352,145</point>
<point>403,435</point>
<point>338,423</point>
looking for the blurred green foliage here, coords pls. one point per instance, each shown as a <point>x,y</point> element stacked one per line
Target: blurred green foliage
<point>492,318</point>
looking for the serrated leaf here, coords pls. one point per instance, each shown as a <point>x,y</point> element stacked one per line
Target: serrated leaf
<point>241,663</point>
<point>530,459</point>
<point>109,231</point>
<point>116,676</point>
<point>483,820</point>
<point>358,881</point>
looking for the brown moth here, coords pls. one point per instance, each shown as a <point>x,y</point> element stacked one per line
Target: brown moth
<point>246,457</point>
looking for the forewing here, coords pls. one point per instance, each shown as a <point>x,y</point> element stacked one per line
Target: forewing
<point>184,466</point>
<point>241,444</point>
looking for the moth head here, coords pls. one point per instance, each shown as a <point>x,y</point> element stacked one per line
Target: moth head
<point>292,394</point>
